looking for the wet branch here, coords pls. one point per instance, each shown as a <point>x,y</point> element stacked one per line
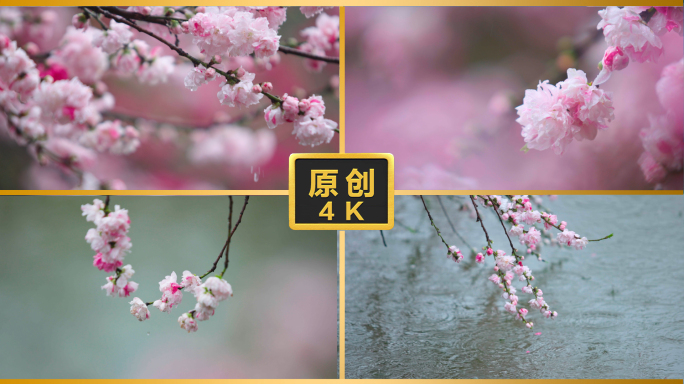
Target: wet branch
<point>479,218</point>
<point>433,222</point>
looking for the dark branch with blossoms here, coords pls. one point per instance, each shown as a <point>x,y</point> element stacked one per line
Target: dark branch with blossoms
<point>513,213</point>
<point>56,104</point>
<point>111,243</point>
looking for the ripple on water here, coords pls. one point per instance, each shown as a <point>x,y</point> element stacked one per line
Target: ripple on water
<point>413,314</point>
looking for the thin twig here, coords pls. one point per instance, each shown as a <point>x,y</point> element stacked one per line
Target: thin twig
<point>479,218</point>
<point>161,20</point>
<point>225,265</point>
<point>383,239</point>
<point>433,222</point>
<point>451,224</point>
<point>226,244</point>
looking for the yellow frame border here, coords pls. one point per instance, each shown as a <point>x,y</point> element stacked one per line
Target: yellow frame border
<point>337,226</point>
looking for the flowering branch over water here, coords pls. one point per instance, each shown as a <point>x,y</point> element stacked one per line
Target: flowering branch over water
<point>109,239</point>
<point>515,211</point>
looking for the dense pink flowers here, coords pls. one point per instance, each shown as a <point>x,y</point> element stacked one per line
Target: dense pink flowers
<point>111,242</point>
<point>240,94</point>
<point>624,28</point>
<point>113,137</point>
<point>321,40</point>
<point>310,126</point>
<point>114,38</point>
<point>58,106</point>
<point>79,55</point>
<point>553,115</point>
<point>171,293</point>
<point>208,294</point>
<point>232,32</point>
<point>241,31</point>
<point>518,213</point>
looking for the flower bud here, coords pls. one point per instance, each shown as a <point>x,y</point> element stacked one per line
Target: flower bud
<point>31,48</point>
<point>176,27</point>
<point>79,21</point>
<point>614,59</point>
<point>240,72</point>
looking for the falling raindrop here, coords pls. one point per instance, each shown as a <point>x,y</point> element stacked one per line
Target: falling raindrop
<point>256,177</point>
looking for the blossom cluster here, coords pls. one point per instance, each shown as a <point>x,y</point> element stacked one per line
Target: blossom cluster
<point>310,125</point>
<point>519,211</point>
<point>111,242</point>
<point>49,105</point>
<point>208,294</point>
<point>553,115</point>
<point>321,40</point>
<point>521,214</point>
<point>109,239</point>
<point>633,33</point>
<point>240,31</point>
<point>53,99</point>
<point>236,31</point>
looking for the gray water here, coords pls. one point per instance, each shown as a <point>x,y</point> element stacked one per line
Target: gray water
<point>411,313</point>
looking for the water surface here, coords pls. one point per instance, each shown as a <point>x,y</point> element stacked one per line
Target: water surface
<point>411,313</point>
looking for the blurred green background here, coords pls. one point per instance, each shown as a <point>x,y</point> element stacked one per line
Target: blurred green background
<point>58,323</point>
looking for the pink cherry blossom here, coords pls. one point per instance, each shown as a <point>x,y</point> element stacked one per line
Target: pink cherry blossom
<point>623,28</point>
<point>187,322</point>
<point>81,58</point>
<point>111,136</point>
<point>614,59</point>
<point>139,309</point>
<point>553,115</point>
<point>190,281</point>
<point>198,76</point>
<point>314,131</point>
<point>239,95</point>
<point>274,116</point>
<point>114,38</point>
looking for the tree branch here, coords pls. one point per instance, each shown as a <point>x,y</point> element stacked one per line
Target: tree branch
<point>433,222</point>
<point>297,52</point>
<point>479,218</point>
